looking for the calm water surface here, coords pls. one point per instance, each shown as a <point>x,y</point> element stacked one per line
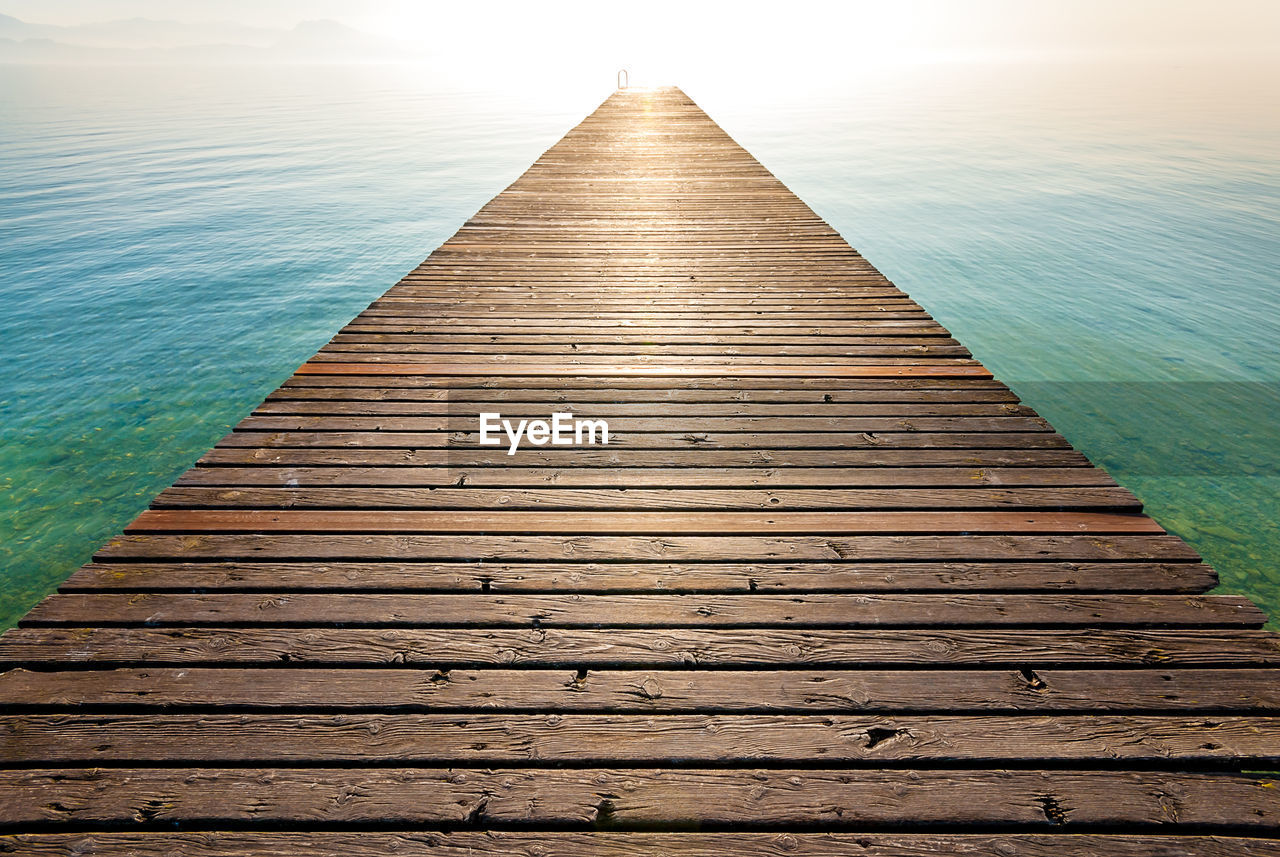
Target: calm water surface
<point>173,242</point>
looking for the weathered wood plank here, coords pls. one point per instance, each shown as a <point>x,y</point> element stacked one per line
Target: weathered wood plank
<point>555,370</point>
<point>640,798</point>
<point>404,390</point>
<point>715,448</point>
<point>647,577</point>
<point>809,460</point>
<point>694,386</point>
<point>908,548</point>
<point>664,425</point>
<point>632,844</point>
<point>608,468</point>
<point>799,611</point>
<point>353,350</point>
<point>548,739</point>
<point>629,647</point>
<point>400,390</point>
<point>652,523</point>
<point>779,413</point>
<point>908,356</point>
<point>619,499</point>
<point>792,691</point>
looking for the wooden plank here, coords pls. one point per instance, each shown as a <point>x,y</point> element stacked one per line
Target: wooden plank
<point>806,692</point>
<point>646,577</point>
<point>714,448</point>
<point>632,844</point>
<point>658,328</point>
<point>918,354</point>
<point>388,345</point>
<point>629,647</point>
<point>600,468</point>
<point>467,311</point>
<point>548,739</point>
<point>694,386</point>
<point>582,397</point>
<point>522,409</point>
<point>624,798</point>
<point>627,342</point>
<point>556,370</point>
<point>490,548</point>
<point>632,425</point>
<point>648,610</point>
<point>655,523</point>
<point>619,499</point>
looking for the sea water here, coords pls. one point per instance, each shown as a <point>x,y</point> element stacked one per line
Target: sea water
<point>175,241</point>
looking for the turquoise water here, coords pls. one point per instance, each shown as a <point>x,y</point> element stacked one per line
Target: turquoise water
<point>173,242</point>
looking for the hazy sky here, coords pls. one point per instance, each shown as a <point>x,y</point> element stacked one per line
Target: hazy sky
<point>1070,24</point>
<point>799,40</point>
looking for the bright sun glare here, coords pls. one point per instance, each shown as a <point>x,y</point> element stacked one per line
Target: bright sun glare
<point>660,42</point>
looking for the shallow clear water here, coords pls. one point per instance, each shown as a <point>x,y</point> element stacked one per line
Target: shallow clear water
<point>173,242</point>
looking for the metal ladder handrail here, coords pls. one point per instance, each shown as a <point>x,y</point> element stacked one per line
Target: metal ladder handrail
<point>624,78</point>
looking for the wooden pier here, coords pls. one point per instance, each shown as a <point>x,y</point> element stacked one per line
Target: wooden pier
<point>830,589</point>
